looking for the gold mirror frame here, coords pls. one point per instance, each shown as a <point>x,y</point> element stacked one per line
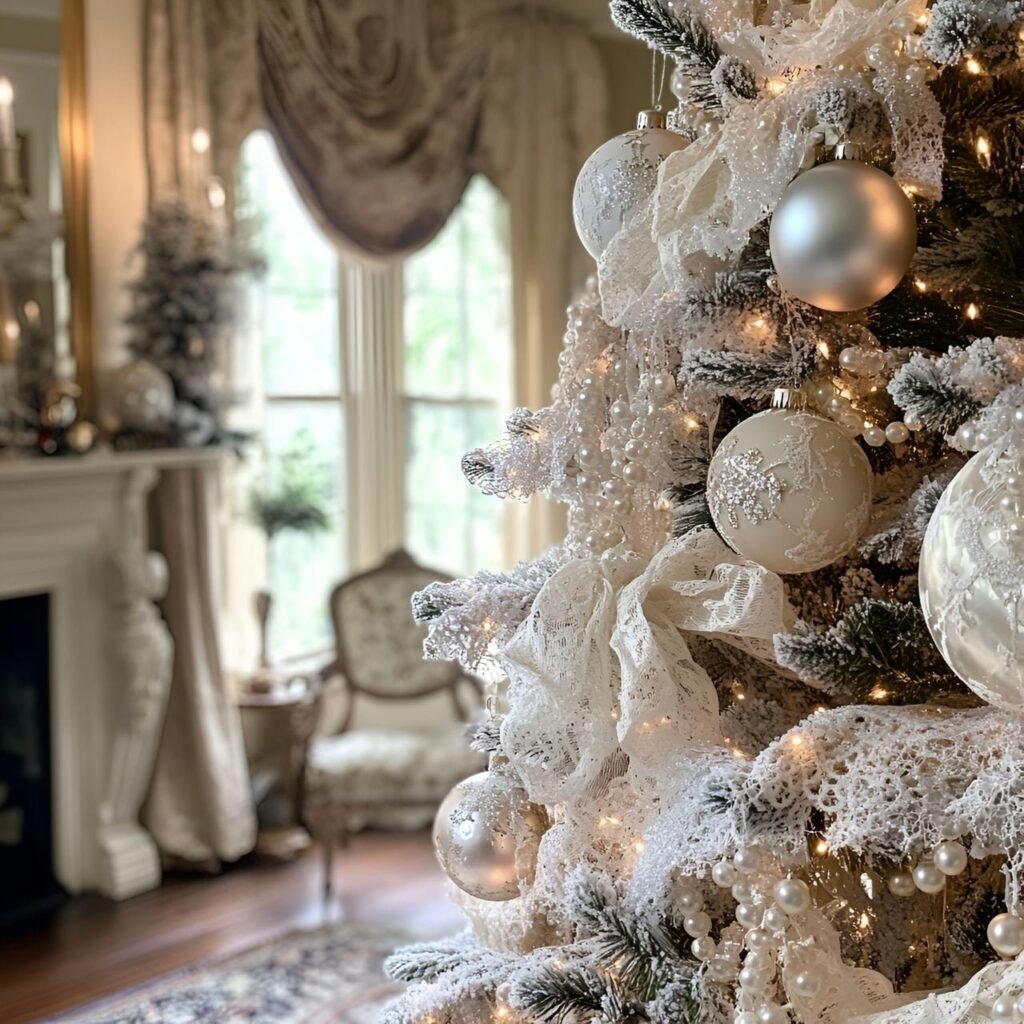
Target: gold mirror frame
<point>74,159</point>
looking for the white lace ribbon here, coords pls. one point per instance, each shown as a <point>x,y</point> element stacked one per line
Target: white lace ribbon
<point>604,649</point>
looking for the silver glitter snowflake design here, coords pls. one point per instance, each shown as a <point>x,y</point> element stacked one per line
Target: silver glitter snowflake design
<point>743,486</point>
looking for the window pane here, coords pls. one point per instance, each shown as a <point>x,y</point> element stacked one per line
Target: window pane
<point>458,352</point>
<point>305,566</point>
<point>295,305</point>
<point>458,303</point>
<point>450,525</point>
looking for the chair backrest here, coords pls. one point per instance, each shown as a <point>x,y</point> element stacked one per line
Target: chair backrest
<point>379,647</point>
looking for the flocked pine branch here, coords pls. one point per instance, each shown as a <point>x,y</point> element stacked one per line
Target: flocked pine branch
<point>575,993</point>
<point>427,961</point>
<point>690,511</point>
<point>985,29</point>
<point>901,540</point>
<point>877,650</point>
<point>927,392</point>
<point>644,954</point>
<point>746,376</point>
<point>682,36</point>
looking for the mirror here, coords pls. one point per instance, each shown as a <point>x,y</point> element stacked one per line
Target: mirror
<point>45,290</point>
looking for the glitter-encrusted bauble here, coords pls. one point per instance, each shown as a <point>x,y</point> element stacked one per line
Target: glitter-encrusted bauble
<point>142,395</point>
<point>789,489</point>
<point>843,236</point>
<point>972,574</point>
<point>486,835</point>
<point>618,179</point>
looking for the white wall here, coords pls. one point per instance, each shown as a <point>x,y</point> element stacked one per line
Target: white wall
<point>117,176</point>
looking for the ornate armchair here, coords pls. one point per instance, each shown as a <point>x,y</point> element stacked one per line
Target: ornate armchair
<point>385,777</point>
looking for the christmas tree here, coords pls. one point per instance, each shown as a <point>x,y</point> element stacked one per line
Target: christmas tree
<point>756,733</point>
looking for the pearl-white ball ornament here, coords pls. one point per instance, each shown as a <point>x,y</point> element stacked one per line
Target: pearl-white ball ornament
<point>971,575</point>
<point>619,178</point>
<point>793,896</point>
<point>703,948</point>
<point>789,489</point>
<point>1006,934</point>
<point>928,878</point>
<point>951,858</point>
<point>772,1013</point>
<point>843,235</point>
<point>486,835</point>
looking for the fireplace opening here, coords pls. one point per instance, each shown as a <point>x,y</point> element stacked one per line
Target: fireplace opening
<point>29,892</point>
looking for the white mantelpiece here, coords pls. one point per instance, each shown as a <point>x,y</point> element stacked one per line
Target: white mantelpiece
<point>75,528</point>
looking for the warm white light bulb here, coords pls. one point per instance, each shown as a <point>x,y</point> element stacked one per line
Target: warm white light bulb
<point>201,140</point>
<point>6,92</point>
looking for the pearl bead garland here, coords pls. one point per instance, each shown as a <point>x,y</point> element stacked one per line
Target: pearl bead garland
<point>929,875</point>
<point>622,430</point>
<point>1006,934</point>
<point>835,404</point>
<point>768,905</point>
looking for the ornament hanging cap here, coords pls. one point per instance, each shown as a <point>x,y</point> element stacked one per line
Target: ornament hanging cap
<point>849,151</point>
<point>789,398</point>
<point>651,119</point>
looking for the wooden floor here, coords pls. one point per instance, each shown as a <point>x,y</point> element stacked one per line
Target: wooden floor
<point>96,947</point>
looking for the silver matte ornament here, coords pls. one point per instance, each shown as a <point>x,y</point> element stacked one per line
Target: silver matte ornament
<point>972,574</point>
<point>619,178</point>
<point>141,395</point>
<point>486,835</point>
<point>843,236</point>
<point>788,489</point>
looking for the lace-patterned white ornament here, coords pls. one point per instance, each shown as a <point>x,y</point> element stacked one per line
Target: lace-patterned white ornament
<point>972,574</point>
<point>619,178</point>
<point>789,489</point>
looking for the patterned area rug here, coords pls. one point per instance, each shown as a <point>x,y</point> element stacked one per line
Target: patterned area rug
<point>328,976</point>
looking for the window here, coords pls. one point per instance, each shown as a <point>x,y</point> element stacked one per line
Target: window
<point>295,314</point>
<point>454,340</point>
<point>458,346</point>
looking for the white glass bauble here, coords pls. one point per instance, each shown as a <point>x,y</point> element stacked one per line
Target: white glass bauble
<point>141,395</point>
<point>486,835</point>
<point>618,179</point>
<point>843,236</point>
<point>971,575</point>
<point>789,490</point>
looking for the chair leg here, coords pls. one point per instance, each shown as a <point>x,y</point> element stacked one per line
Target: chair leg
<point>328,864</point>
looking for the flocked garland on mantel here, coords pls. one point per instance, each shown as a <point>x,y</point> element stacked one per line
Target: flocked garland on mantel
<point>767,697</point>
